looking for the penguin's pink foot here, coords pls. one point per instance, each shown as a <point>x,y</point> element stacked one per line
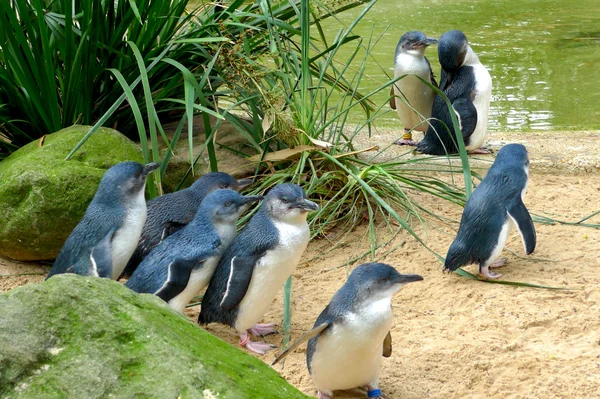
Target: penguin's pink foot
<point>498,263</point>
<point>263,329</point>
<point>322,395</point>
<point>481,150</point>
<point>373,392</point>
<point>257,347</point>
<point>488,274</point>
<point>409,142</point>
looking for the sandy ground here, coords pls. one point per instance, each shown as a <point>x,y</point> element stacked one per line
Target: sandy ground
<point>458,338</point>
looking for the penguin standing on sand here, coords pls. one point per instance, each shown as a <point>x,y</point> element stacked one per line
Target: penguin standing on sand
<point>259,261</point>
<point>495,207</point>
<point>182,265</point>
<point>468,86</point>
<point>103,241</point>
<point>412,98</point>
<point>352,333</point>
<point>171,212</point>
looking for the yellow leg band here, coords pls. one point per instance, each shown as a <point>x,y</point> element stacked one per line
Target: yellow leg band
<point>407,136</point>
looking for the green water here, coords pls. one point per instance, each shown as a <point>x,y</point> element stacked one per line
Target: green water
<point>544,56</point>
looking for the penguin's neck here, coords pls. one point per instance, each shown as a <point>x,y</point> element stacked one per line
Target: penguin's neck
<point>471,58</point>
<point>418,52</point>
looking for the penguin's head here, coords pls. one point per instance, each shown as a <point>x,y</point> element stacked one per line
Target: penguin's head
<point>414,41</point>
<point>225,206</point>
<point>452,50</point>
<point>513,154</point>
<point>216,180</point>
<point>125,181</point>
<point>288,202</point>
<point>376,281</point>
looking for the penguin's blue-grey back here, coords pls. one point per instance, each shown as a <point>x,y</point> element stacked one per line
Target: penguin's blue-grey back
<point>105,212</point>
<point>173,211</point>
<point>259,235</point>
<point>486,210</point>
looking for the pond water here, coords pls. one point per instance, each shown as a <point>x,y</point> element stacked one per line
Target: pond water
<point>544,56</point>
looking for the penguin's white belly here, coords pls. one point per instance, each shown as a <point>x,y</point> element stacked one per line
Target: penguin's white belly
<point>271,272</point>
<point>504,233</point>
<point>126,238</point>
<point>199,279</point>
<point>418,95</point>
<point>349,356</point>
<point>483,96</point>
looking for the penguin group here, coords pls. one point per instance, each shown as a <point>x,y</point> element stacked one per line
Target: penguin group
<point>179,245</point>
<point>464,81</point>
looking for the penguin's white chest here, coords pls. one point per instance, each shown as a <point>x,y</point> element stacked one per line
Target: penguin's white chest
<point>481,101</point>
<point>349,356</point>
<point>271,272</point>
<point>418,95</point>
<point>126,238</point>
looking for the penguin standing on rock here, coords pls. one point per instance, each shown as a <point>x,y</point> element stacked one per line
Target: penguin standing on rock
<point>495,207</point>
<point>182,265</point>
<point>352,333</point>
<point>103,241</point>
<point>468,86</point>
<point>412,98</point>
<point>171,212</point>
<point>259,261</point>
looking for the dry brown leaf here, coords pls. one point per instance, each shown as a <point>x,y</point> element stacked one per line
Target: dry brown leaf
<point>282,155</point>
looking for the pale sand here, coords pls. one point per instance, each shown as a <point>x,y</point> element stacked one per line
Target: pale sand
<point>457,338</point>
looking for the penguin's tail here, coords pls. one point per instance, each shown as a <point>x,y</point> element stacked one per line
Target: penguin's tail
<point>458,256</point>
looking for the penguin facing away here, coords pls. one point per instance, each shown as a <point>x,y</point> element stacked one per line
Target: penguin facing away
<point>182,265</point>
<point>171,212</point>
<point>410,60</point>
<point>468,86</point>
<point>103,241</point>
<point>352,333</point>
<point>490,214</point>
<point>254,268</point>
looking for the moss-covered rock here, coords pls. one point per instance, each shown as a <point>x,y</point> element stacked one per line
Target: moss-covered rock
<point>86,337</point>
<point>43,197</point>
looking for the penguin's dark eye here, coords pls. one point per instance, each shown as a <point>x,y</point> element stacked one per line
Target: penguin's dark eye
<point>228,203</point>
<point>285,200</point>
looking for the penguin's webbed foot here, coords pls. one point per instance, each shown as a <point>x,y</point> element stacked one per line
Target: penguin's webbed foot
<point>257,347</point>
<point>403,141</point>
<point>498,263</point>
<point>263,329</point>
<point>484,151</point>
<point>488,274</point>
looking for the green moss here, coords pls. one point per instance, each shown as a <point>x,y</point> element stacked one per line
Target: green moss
<point>118,343</point>
<point>43,197</point>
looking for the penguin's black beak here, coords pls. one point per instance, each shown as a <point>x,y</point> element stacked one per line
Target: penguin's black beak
<point>248,199</point>
<point>429,41</point>
<point>148,168</point>
<point>407,278</point>
<point>243,183</point>
<point>306,205</point>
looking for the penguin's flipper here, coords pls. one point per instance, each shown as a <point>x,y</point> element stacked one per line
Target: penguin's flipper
<point>240,274</point>
<point>387,345</point>
<point>520,216</point>
<point>305,337</point>
<point>179,274</point>
<point>171,227</point>
<point>431,75</point>
<point>467,117</point>
<point>392,98</point>
<point>101,258</point>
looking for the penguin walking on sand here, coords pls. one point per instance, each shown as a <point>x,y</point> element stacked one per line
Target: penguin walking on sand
<point>468,86</point>
<point>182,265</point>
<point>171,212</point>
<point>352,333</point>
<point>103,241</point>
<point>410,97</point>
<point>495,207</point>
<point>259,261</point>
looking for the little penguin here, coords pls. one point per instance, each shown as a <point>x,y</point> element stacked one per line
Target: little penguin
<point>468,86</point>
<point>352,333</point>
<point>259,261</point>
<point>171,212</point>
<point>495,207</point>
<point>103,241</point>
<point>410,60</point>
<point>182,265</point>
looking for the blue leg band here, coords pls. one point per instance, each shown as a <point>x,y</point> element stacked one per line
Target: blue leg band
<point>374,393</point>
